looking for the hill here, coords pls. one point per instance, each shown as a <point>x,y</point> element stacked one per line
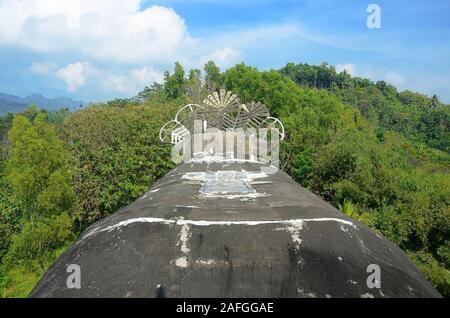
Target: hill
<point>15,104</point>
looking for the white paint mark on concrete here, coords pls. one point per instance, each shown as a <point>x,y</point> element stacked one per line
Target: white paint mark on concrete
<point>208,158</point>
<point>209,223</point>
<point>253,223</point>
<point>340,259</point>
<point>155,190</point>
<point>188,206</point>
<point>352,282</point>
<point>207,262</point>
<point>367,295</point>
<point>184,236</point>
<point>181,262</point>
<point>194,176</point>
<point>225,195</point>
<point>294,229</point>
<point>261,182</point>
<point>229,184</point>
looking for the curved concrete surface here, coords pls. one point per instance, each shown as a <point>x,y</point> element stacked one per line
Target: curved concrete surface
<point>230,230</point>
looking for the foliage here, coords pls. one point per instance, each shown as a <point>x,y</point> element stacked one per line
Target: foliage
<point>37,166</point>
<point>349,209</point>
<point>118,156</point>
<point>213,78</point>
<point>36,197</point>
<point>439,276</point>
<point>18,281</point>
<point>174,84</point>
<point>37,239</point>
<point>380,155</point>
<point>416,116</point>
<point>10,217</point>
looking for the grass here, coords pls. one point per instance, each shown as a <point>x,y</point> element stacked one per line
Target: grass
<point>19,281</point>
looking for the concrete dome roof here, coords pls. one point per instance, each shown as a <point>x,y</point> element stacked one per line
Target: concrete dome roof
<point>230,230</point>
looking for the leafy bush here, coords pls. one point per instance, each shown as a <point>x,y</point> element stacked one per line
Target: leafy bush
<point>37,240</point>
<point>118,156</point>
<point>436,274</point>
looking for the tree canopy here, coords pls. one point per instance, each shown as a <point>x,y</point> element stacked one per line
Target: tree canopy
<point>379,155</point>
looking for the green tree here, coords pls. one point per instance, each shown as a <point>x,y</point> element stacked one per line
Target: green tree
<point>118,154</point>
<point>434,101</point>
<point>35,217</point>
<point>38,167</point>
<point>213,79</point>
<point>37,241</point>
<point>174,84</point>
<point>194,86</point>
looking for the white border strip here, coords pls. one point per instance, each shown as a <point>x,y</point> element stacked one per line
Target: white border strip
<point>208,223</point>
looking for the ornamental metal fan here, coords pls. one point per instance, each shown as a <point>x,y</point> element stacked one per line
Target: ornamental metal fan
<point>222,100</point>
<point>173,132</point>
<point>188,114</point>
<point>221,110</point>
<point>274,124</point>
<point>254,115</point>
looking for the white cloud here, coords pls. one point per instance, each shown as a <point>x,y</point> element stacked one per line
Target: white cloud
<point>385,74</point>
<point>74,75</point>
<point>395,79</point>
<point>133,81</point>
<point>262,34</point>
<point>350,68</point>
<point>42,68</point>
<point>224,58</point>
<point>146,75</point>
<point>125,39</point>
<point>129,82</point>
<point>117,83</point>
<point>106,29</point>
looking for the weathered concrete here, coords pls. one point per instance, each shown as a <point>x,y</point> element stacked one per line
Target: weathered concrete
<point>265,237</point>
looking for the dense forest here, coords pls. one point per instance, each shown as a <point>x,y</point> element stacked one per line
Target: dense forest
<point>379,155</point>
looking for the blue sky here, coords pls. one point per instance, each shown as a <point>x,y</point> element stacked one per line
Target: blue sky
<point>113,48</point>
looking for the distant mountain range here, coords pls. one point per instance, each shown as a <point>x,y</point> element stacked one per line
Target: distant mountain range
<point>14,104</point>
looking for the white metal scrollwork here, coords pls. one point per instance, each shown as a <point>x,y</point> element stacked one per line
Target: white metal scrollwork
<point>221,110</point>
